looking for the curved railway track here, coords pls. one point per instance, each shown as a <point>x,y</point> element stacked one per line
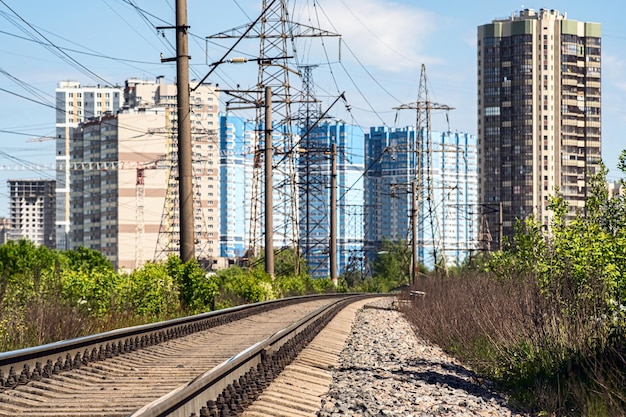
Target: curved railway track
<point>208,365</point>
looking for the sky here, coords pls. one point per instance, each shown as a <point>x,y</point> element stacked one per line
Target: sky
<point>376,65</point>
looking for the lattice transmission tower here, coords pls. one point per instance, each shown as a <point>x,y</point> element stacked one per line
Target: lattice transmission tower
<point>313,172</point>
<point>277,35</point>
<point>423,148</point>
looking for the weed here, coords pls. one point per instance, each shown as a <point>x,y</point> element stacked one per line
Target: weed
<point>553,351</point>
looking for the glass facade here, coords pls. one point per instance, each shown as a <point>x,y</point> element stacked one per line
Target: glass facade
<point>447,193</point>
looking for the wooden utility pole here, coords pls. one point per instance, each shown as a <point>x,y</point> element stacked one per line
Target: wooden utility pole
<point>269,203</point>
<point>185,169</point>
<point>333,215</point>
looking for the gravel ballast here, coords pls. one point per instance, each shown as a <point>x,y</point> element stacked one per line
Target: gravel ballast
<point>385,370</point>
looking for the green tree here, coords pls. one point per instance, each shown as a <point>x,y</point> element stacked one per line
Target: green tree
<point>390,269</point>
<point>27,271</point>
<point>85,259</point>
<point>393,262</point>
<point>287,262</point>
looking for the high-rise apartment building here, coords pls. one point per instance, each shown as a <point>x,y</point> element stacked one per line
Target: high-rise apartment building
<point>314,201</point>
<point>119,185</point>
<point>124,190</point>
<point>446,200</point>
<point>74,105</point>
<point>539,126</point>
<point>236,138</point>
<point>32,211</point>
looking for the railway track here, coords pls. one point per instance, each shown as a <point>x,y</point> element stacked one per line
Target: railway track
<point>208,365</point>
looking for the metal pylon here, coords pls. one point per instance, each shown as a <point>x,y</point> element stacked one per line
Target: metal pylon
<point>277,34</point>
<point>423,148</point>
<point>313,171</point>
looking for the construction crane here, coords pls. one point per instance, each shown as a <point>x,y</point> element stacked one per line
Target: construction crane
<point>40,139</point>
<point>140,192</point>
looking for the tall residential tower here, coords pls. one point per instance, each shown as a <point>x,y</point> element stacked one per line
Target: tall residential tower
<point>32,208</point>
<point>539,122</point>
<point>124,192</point>
<point>314,173</point>
<point>75,104</point>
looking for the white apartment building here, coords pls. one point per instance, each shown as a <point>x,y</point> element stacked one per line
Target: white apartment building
<point>75,104</point>
<point>124,189</point>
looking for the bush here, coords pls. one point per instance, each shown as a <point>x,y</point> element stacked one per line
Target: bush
<point>243,286</point>
<point>545,318</point>
<point>94,291</point>
<point>549,352</point>
<point>197,289</point>
<point>289,285</point>
<point>150,292</point>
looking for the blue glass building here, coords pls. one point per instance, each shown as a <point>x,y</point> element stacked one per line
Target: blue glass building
<point>314,173</point>
<point>447,201</point>
<point>235,177</point>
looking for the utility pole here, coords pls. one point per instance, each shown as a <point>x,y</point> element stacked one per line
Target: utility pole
<point>414,232</point>
<point>276,32</point>
<point>500,236</point>
<point>333,215</point>
<point>269,203</point>
<point>185,170</point>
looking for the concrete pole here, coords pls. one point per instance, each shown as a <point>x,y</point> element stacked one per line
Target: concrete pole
<point>333,215</point>
<point>415,268</point>
<point>269,203</point>
<point>501,234</point>
<point>185,169</point>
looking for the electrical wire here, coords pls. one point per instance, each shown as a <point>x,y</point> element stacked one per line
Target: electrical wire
<point>34,91</point>
<point>73,61</point>
<point>76,51</point>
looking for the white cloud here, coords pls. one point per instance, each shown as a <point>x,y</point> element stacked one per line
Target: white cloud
<point>381,33</point>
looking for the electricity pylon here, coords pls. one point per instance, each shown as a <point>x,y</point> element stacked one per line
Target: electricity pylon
<point>423,148</point>
<point>277,35</point>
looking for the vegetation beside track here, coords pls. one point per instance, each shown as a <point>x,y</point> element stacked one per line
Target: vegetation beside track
<point>545,318</point>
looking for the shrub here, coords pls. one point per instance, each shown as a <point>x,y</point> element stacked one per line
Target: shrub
<point>150,292</point>
<point>244,286</point>
<point>197,289</point>
<point>94,291</point>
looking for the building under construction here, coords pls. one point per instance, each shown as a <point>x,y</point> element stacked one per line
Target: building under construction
<point>32,211</point>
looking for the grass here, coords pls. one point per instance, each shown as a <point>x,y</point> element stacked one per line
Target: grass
<point>44,321</point>
<point>553,351</point>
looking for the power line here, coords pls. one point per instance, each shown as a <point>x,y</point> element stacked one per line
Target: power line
<point>76,51</point>
<point>55,46</point>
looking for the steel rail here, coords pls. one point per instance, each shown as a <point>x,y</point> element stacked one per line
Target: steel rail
<point>230,387</point>
<point>21,366</point>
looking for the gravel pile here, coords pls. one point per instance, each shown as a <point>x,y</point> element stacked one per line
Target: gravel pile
<point>384,370</point>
